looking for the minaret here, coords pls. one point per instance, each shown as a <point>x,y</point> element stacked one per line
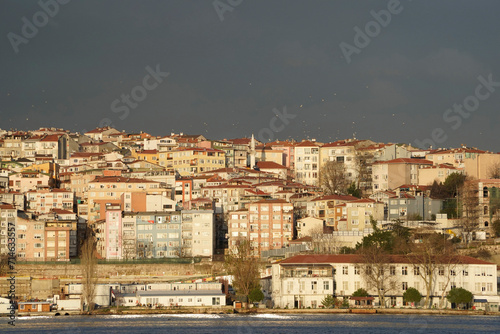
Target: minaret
<point>252,152</point>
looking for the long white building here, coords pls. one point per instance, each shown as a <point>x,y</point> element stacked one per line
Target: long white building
<point>305,280</point>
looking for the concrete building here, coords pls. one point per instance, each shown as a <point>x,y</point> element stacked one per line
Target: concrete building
<point>305,280</point>
<point>387,175</point>
<point>307,162</point>
<point>267,224</point>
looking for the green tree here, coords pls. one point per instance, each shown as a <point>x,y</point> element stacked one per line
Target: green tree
<point>453,183</point>
<point>256,295</point>
<point>360,293</point>
<point>347,250</point>
<point>379,239</point>
<point>459,296</point>
<point>412,295</point>
<point>354,191</point>
<point>329,301</point>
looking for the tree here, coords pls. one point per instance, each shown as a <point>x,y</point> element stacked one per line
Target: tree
<point>322,243</point>
<point>332,178</point>
<point>378,239</point>
<point>88,265</point>
<point>496,227</point>
<point>412,295</point>
<point>469,205</point>
<point>256,295</point>
<point>329,301</point>
<point>438,191</point>
<point>494,171</point>
<point>453,183</point>
<point>4,264</point>
<point>244,268</point>
<point>459,296</point>
<point>364,162</point>
<point>360,293</point>
<point>428,256</point>
<point>375,267</point>
<point>354,191</point>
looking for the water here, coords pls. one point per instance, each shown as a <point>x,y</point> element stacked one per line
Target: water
<point>250,324</point>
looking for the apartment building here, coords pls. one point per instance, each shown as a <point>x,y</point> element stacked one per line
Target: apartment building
<point>8,218</point>
<point>28,180</point>
<point>305,280</point>
<point>44,200</point>
<point>109,189</point>
<point>428,174</point>
<point>267,224</point>
<point>387,175</point>
<point>476,163</point>
<point>405,206</point>
<point>193,160</point>
<point>307,162</point>
<point>327,207</point>
<point>356,215</point>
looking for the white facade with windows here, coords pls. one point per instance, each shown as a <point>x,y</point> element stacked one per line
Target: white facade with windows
<point>305,280</point>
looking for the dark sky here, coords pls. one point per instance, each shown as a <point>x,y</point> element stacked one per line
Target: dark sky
<point>228,77</point>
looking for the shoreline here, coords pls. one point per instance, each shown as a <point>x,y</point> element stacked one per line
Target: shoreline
<point>254,311</point>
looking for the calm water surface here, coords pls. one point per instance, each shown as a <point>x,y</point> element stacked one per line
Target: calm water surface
<point>262,323</point>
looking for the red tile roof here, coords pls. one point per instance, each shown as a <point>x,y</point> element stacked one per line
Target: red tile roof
<point>336,197</point>
<point>307,143</point>
<point>405,161</point>
<point>269,165</point>
<point>354,258</point>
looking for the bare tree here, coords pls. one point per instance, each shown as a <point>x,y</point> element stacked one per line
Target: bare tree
<point>4,264</point>
<point>332,178</point>
<point>427,257</point>
<point>322,243</point>
<point>469,205</point>
<point>378,272</point>
<point>244,267</point>
<point>494,171</point>
<point>364,170</point>
<point>88,264</point>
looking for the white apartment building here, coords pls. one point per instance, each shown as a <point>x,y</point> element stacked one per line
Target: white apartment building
<point>307,162</point>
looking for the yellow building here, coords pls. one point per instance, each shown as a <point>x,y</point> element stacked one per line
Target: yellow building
<point>193,160</point>
<point>146,155</point>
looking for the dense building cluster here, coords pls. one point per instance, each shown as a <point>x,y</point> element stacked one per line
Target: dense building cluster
<point>144,196</point>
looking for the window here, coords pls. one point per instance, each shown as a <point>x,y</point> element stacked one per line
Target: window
<point>345,270</point>
<point>314,285</point>
<point>345,286</point>
<point>326,285</point>
<point>441,271</point>
<point>356,270</point>
<point>416,271</point>
<point>404,270</point>
<point>392,270</point>
<point>405,286</point>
